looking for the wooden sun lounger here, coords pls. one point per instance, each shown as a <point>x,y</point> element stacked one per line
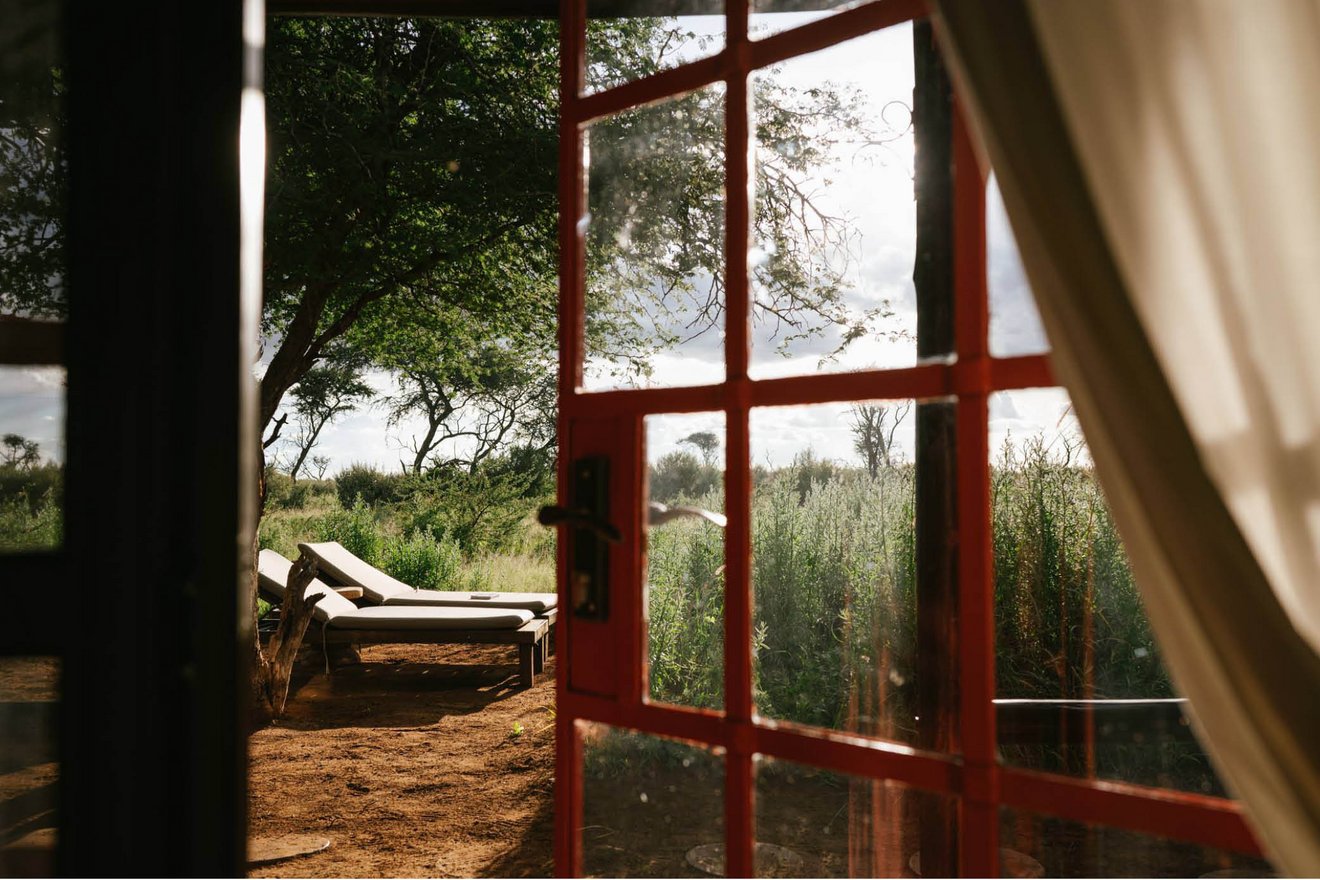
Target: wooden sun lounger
<point>529,638</point>
<point>350,625</point>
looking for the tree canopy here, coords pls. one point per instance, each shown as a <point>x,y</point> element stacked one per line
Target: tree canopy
<point>411,204</point>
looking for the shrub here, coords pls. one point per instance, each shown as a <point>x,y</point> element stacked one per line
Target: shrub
<point>356,529</point>
<point>373,486</point>
<point>37,485</point>
<point>486,511</point>
<point>424,562</point>
<point>282,493</point>
<point>31,524</point>
<point>682,475</point>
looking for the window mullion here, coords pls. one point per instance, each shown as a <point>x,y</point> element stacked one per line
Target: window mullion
<point>740,819</point>
<point>976,625</point>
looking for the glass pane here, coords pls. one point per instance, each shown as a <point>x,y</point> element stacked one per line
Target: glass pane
<point>648,804</point>
<point>834,239</point>
<point>1015,327</point>
<point>1043,846</point>
<point>33,172</point>
<point>655,247</point>
<point>685,558</point>
<point>815,823</point>
<point>648,36</point>
<point>29,772</point>
<point>31,458</point>
<point>772,16</point>
<point>832,566</point>
<point>1081,685</point>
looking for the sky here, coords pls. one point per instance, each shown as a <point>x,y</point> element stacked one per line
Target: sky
<point>869,186</point>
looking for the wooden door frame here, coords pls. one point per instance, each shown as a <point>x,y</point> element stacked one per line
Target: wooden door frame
<point>146,602</point>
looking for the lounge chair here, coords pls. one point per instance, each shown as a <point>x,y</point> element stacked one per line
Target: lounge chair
<point>378,588</point>
<point>340,621</point>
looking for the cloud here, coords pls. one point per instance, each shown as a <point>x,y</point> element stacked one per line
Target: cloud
<point>32,404</point>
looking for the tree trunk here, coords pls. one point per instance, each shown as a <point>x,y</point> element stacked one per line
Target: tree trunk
<point>295,615</point>
<point>273,667</point>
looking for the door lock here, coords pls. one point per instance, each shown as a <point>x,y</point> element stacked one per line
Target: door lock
<point>591,532</point>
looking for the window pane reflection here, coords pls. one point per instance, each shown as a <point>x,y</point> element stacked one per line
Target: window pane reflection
<point>650,806</point>
<point>655,246</point>
<point>814,823</point>
<point>833,566</point>
<point>1050,847</point>
<point>1082,688</point>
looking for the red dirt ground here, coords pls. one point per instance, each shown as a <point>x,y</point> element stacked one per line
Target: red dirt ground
<point>411,764</point>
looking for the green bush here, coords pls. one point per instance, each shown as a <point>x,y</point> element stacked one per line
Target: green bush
<point>283,493</point>
<point>37,485</point>
<point>682,475</point>
<point>356,529</point>
<point>424,562</point>
<point>28,524</point>
<point>485,512</point>
<point>833,573</point>
<point>373,486</point>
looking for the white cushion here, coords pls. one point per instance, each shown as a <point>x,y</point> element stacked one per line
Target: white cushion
<point>382,617</point>
<point>273,570</point>
<point>350,571</point>
<point>537,602</point>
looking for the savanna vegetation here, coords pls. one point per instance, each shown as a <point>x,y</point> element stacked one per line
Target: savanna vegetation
<point>31,511</point>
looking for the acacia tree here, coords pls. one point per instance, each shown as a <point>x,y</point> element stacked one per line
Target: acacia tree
<point>874,426</point>
<point>19,453</point>
<point>323,394</point>
<point>479,407</point>
<point>706,442</point>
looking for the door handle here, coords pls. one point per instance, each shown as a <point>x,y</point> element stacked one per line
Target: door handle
<point>578,518</point>
<point>590,533</point>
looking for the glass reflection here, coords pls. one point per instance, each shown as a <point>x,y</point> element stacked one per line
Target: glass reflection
<point>834,238</point>
<point>815,823</point>
<point>1053,847</point>
<point>651,807</point>
<point>1082,689</point>
<point>655,246</point>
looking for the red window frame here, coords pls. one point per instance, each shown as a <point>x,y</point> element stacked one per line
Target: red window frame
<point>982,784</point>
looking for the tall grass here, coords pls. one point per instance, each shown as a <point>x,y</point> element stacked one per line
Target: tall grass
<point>833,573</point>
<point>31,508</point>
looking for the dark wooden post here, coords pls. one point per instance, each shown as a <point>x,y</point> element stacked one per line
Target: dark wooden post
<point>936,677</point>
<point>161,443</point>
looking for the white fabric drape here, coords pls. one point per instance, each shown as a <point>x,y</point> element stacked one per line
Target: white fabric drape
<point>1160,162</point>
<point>1197,123</point>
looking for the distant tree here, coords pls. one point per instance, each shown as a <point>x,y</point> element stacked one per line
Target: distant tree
<point>19,453</point>
<point>705,441</point>
<point>318,465</point>
<point>324,393</point>
<point>874,427</point>
<point>475,407</point>
<point>681,474</point>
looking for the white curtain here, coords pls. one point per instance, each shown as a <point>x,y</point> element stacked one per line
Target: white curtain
<point>1160,162</point>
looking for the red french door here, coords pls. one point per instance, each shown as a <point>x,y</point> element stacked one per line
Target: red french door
<point>949,778</point>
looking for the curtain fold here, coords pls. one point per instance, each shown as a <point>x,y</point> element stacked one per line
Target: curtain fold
<point>1158,164</point>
